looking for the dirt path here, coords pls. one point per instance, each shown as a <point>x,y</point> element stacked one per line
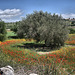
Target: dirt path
<point>41,53</point>
<point>71,45</point>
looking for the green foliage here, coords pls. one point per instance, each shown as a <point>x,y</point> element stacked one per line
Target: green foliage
<point>44,26</point>
<point>72,31</point>
<point>10,33</point>
<point>2,37</point>
<point>73,22</point>
<point>9,25</point>
<point>23,28</point>
<point>54,32</point>
<point>2,31</point>
<point>14,27</point>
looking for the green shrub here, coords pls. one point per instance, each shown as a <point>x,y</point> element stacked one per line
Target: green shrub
<point>2,37</point>
<point>72,31</point>
<point>14,28</point>
<point>2,31</point>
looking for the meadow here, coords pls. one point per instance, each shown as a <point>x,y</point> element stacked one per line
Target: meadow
<point>23,52</point>
<point>10,34</point>
<point>71,39</point>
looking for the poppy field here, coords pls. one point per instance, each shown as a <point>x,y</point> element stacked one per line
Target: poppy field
<point>71,39</point>
<point>64,57</point>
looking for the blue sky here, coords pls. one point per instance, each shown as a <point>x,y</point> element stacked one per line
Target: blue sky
<point>14,10</point>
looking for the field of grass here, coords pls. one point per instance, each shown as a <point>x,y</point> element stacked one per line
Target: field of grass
<point>23,52</point>
<point>10,34</point>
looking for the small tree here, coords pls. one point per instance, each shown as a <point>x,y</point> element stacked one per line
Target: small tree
<point>2,31</point>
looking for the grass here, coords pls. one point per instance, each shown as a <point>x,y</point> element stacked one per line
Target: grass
<point>29,57</point>
<point>70,40</point>
<point>11,34</point>
<point>23,52</point>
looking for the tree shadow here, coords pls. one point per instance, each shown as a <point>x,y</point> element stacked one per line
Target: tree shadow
<point>13,37</point>
<point>35,47</point>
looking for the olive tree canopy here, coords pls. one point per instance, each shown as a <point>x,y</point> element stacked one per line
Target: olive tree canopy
<point>43,26</point>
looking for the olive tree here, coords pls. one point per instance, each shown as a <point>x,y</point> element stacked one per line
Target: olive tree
<point>55,31</point>
<point>43,26</point>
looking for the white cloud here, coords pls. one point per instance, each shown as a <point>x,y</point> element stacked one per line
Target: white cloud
<point>11,20</point>
<point>66,16</point>
<point>13,15</point>
<point>8,14</point>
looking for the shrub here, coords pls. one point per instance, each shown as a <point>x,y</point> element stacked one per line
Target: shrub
<point>72,31</point>
<point>2,37</point>
<point>14,27</point>
<point>2,31</point>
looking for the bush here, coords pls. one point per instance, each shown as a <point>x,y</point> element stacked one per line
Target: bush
<point>72,31</point>
<point>14,27</point>
<point>2,31</point>
<point>2,37</point>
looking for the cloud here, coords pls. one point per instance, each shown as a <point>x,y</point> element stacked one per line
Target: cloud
<point>71,15</point>
<point>12,14</point>
<point>66,16</point>
<point>11,20</point>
